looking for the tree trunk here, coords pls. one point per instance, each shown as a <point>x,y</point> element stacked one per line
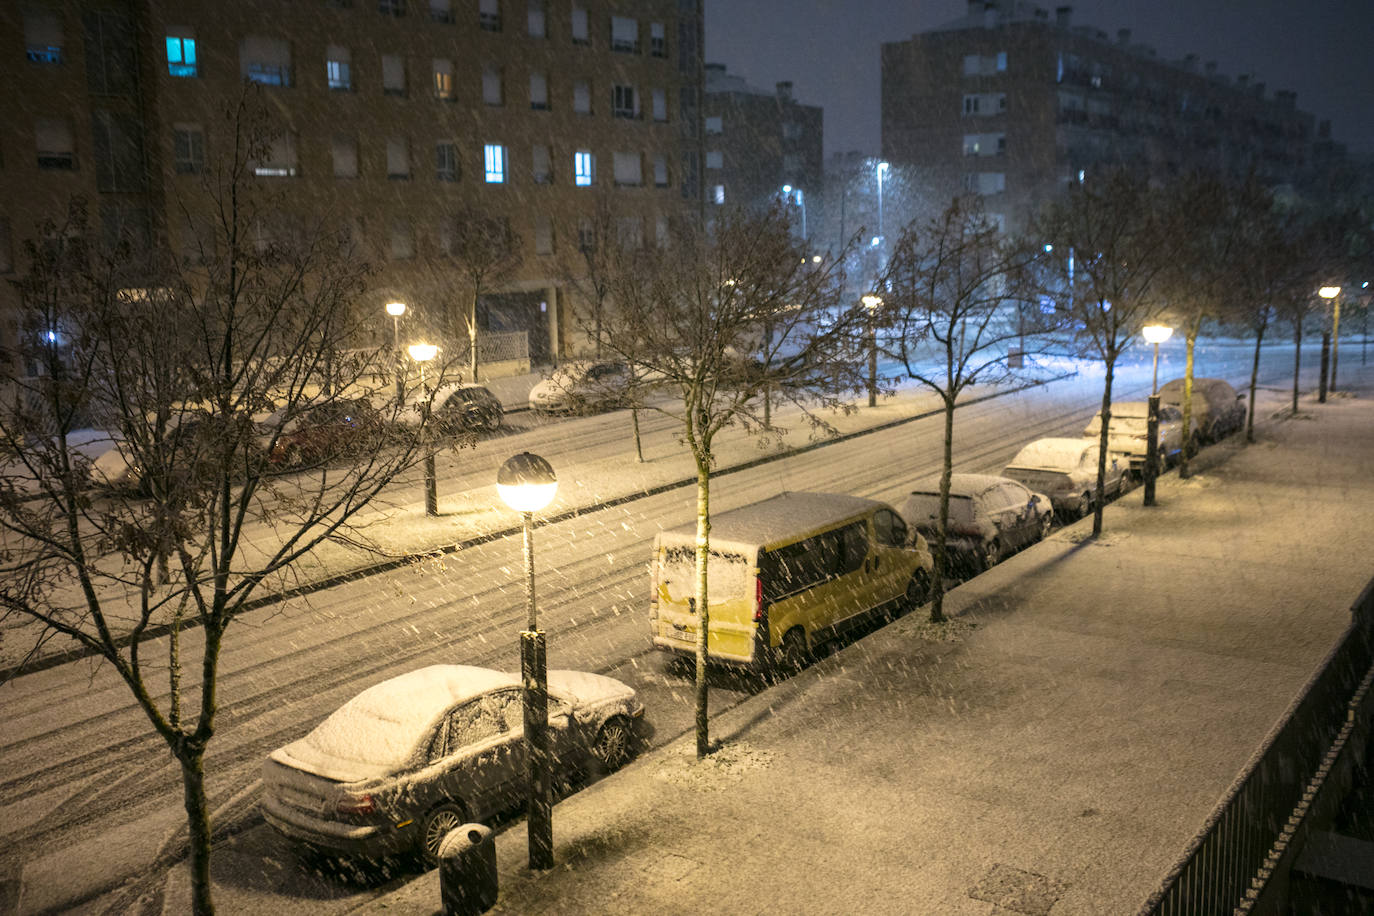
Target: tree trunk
<point>639,445</point>
<point>192,761</point>
<point>703,611</point>
<point>1102,439</point>
<point>1297,359</point>
<point>472,339</point>
<point>1254,383</point>
<point>1193,328</point>
<point>937,585</point>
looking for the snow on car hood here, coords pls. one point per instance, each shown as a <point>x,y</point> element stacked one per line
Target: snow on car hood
<point>1053,454</point>
<point>586,688</point>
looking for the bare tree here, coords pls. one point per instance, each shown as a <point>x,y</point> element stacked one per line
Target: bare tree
<point>489,253</point>
<point>951,297</point>
<point>1108,248</point>
<point>196,367</point>
<point>692,315</point>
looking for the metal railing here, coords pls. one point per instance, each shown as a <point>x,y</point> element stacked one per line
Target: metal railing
<point>1228,862</point>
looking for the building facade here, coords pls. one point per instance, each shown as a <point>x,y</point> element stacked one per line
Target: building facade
<point>400,117</point>
<point>761,147</point>
<point>1012,102</point>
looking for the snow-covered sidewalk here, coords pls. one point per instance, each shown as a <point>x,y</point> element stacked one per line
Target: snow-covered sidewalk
<point>1056,745</point>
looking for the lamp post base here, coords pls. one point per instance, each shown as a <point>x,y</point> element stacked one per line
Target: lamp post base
<point>534,679</point>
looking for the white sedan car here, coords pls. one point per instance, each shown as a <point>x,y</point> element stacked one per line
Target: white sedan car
<point>1066,471</point>
<point>1127,432</point>
<point>407,760</point>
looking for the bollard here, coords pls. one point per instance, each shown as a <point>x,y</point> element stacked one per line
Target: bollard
<point>467,870</point>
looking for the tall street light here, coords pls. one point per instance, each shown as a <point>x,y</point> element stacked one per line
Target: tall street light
<point>791,194</point>
<point>396,310</point>
<point>1332,294</point>
<point>423,353</point>
<point>1155,334</point>
<point>527,484</point>
<point>872,302</point>
<point>882,169</point>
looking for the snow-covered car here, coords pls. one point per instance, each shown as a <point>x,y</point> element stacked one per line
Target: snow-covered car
<point>1218,410</point>
<point>338,428</point>
<point>397,767</point>
<point>989,517</point>
<point>187,445</point>
<point>1127,434</point>
<point>1066,471</point>
<point>467,408</point>
<point>580,385</point>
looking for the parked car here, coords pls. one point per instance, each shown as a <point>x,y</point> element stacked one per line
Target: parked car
<point>1218,410</point>
<point>989,517</point>
<point>1127,434</point>
<point>344,426</point>
<point>580,385</point>
<point>1066,470</point>
<point>466,408</point>
<point>188,446</point>
<point>397,767</point>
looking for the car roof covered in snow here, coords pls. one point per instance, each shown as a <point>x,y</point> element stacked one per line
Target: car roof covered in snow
<point>959,484</point>
<point>1216,392</point>
<point>777,520</point>
<point>1054,453</point>
<point>377,731</point>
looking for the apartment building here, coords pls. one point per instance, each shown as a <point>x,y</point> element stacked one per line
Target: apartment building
<point>401,116</point>
<point>1011,102</point>
<point>761,146</point>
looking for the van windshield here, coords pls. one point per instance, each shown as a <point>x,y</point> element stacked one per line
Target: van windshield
<point>729,576</point>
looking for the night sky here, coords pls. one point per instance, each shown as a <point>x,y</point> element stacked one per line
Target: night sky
<point>1322,49</point>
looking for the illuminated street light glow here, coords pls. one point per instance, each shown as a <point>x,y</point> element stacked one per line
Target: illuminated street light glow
<point>526,483</point>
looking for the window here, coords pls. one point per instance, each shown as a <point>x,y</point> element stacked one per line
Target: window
<point>280,160</point>
<point>266,60</point>
<point>715,159</point>
<point>662,237</point>
<point>624,34</point>
<point>440,10</point>
<point>658,43</point>
<point>495,156</point>
<point>393,74</point>
<point>624,102</point>
<point>660,105</point>
<point>53,139</point>
<point>718,194</point>
<point>188,149</point>
<point>489,15</point>
<point>397,158</point>
<point>791,130</point>
<point>338,68</point>
<point>584,168</point>
<point>985,65</point>
<point>714,125</point>
<point>539,91</point>
<point>985,144</point>
<point>582,97</point>
<point>889,528</point>
<point>985,182</point>
<point>537,20</point>
<point>117,151</point>
<point>344,148</point>
<point>446,161</point>
<point>110,40</point>
<point>43,37</point>
<point>628,170</point>
<point>791,164</point>
<point>443,80</point>
<point>541,165</point>
<point>1001,61</point>
<point>181,53</point>
<point>985,104</point>
<point>660,171</point>
<point>402,240</point>
<point>586,235</point>
<point>491,84</point>
<point>629,233</point>
<point>395,8</point>
<point>579,26</point>
<point>543,234</point>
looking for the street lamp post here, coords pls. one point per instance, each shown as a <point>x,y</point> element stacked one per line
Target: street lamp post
<point>396,310</point>
<point>1155,334</point>
<point>1332,294</point>
<point>872,302</point>
<point>527,484</point>
<point>882,169</point>
<point>423,353</point>
<point>788,193</point>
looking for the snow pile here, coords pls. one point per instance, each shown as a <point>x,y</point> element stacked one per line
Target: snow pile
<point>729,764</point>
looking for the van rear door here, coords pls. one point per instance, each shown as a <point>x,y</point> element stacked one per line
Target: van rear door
<point>732,583</point>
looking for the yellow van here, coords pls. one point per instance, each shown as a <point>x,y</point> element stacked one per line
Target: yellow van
<point>784,575</point>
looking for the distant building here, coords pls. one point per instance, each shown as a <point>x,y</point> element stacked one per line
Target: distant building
<point>1011,102</point>
<point>401,115</point>
<point>760,146</point>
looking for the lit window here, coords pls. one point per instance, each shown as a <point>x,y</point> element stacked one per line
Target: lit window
<point>265,60</point>
<point>397,158</point>
<point>579,25</point>
<point>280,161</point>
<point>489,15</point>
<point>495,157</point>
<point>624,34</point>
<point>718,194</point>
<point>446,161</point>
<point>338,68</point>
<point>584,168</point>
<point>1001,61</point>
<point>539,91</point>
<point>188,149</point>
<point>43,37</point>
<point>658,44</point>
<point>443,80</point>
<point>181,56</point>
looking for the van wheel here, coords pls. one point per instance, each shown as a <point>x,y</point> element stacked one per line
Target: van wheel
<point>917,590</point>
<point>436,826</point>
<point>793,654</point>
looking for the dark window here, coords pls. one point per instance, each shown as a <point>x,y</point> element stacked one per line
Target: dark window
<point>109,53</point>
<point>117,148</point>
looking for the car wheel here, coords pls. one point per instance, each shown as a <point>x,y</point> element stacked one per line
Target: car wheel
<point>992,553</point>
<point>917,590</point>
<point>1046,523</point>
<point>436,826</point>
<point>1085,505</point>
<point>793,654</point>
<point>614,744</point>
